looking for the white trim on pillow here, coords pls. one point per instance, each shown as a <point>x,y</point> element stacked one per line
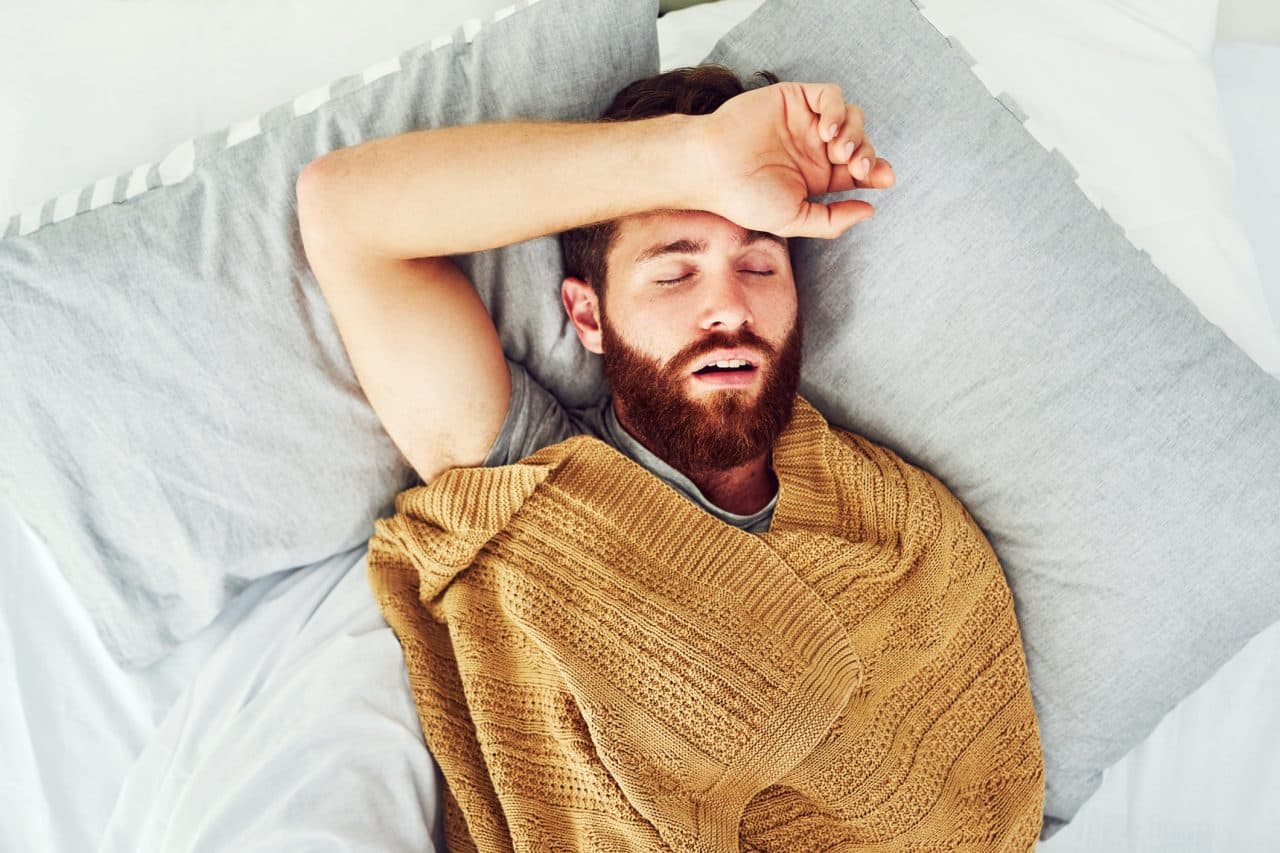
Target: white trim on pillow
<point>137,181</point>
<point>308,101</point>
<point>65,206</point>
<point>178,163</point>
<point>103,189</point>
<point>242,130</point>
<point>382,69</point>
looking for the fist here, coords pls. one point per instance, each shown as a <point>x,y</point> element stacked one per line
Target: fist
<point>769,149</point>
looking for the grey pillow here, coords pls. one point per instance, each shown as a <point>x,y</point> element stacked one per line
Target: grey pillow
<point>177,412</point>
<point>996,329</point>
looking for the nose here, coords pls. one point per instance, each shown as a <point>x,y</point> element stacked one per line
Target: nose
<point>726,303</point>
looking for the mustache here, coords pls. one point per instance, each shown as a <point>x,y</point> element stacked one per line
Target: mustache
<point>705,348</point>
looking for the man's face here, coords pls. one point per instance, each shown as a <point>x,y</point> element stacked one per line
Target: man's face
<point>734,294</point>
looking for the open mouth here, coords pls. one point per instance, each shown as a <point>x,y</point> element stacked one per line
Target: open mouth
<point>713,375</point>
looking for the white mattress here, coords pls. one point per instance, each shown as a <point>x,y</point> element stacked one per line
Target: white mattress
<point>290,721</point>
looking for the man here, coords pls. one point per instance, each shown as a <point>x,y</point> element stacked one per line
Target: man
<point>597,663</point>
<point>675,216</point>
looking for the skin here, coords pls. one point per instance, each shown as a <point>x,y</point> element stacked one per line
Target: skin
<point>652,336</point>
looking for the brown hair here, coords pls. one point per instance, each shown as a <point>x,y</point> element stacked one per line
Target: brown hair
<point>692,90</point>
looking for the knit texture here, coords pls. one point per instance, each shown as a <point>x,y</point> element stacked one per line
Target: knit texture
<point>599,664</point>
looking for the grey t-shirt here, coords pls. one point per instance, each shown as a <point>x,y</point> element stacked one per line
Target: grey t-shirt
<point>536,419</point>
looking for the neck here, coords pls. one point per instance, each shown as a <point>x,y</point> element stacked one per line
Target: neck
<point>742,490</point>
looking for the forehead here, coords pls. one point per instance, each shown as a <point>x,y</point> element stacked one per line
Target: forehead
<point>644,237</point>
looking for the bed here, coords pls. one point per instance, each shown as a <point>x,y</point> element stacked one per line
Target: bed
<point>232,740</point>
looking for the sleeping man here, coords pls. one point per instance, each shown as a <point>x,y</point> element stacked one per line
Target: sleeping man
<point>695,615</point>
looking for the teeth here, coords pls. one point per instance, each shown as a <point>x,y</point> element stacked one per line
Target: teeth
<point>737,362</point>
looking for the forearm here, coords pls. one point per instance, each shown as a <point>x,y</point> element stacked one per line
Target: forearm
<point>469,188</point>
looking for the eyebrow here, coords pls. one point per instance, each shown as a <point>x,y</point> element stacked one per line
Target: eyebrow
<point>697,247</point>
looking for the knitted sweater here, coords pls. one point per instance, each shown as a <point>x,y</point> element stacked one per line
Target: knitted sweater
<point>599,664</point>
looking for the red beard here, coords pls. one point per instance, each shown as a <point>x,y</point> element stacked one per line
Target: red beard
<point>704,429</point>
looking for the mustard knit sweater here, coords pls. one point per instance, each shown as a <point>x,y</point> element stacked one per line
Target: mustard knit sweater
<point>599,664</point>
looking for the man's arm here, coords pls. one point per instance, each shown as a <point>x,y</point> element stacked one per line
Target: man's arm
<point>378,219</point>
<point>470,188</point>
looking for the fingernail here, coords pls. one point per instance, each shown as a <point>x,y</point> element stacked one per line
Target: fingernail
<point>848,148</point>
<point>864,166</point>
<point>831,131</point>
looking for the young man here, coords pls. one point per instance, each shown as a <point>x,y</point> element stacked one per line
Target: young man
<point>674,216</point>
<point>597,664</point>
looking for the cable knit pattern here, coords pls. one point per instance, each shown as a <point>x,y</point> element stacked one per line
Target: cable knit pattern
<point>599,664</point>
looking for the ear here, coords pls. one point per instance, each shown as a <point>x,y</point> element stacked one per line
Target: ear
<point>583,308</point>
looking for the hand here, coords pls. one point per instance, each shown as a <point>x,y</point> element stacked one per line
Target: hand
<point>769,149</point>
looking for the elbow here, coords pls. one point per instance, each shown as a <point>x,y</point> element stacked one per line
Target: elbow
<point>312,200</point>
<point>307,186</point>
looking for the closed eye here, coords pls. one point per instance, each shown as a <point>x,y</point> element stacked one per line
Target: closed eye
<point>670,281</point>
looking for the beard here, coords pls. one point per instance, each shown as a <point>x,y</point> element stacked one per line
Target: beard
<point>714,429</point>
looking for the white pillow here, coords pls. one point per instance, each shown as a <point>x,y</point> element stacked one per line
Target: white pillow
<point>92,88</point>
<point>1249,20</point>
<point>1248,76</point>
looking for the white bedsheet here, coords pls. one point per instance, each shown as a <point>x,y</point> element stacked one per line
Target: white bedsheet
<point>70,722</point>
<point>298,733</point>
<point>288,724</point>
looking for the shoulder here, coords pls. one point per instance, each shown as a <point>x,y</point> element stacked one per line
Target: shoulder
<point>535,419</point>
